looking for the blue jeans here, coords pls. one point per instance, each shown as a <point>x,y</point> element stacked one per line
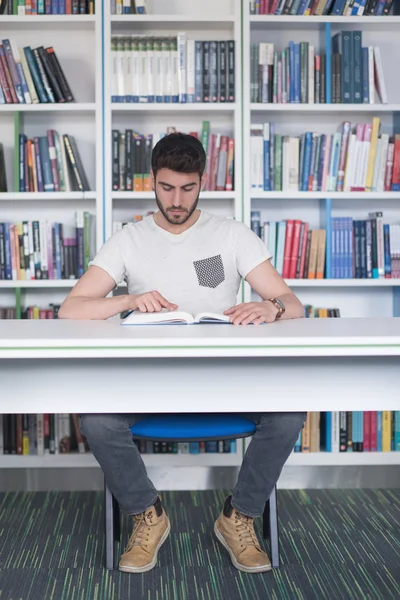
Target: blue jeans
<point>110,440</point>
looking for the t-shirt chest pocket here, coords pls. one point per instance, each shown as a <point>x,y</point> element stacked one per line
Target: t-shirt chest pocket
<point>210,271</point>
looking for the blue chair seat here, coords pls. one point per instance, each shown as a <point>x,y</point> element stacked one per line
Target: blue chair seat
<point>193,427</point>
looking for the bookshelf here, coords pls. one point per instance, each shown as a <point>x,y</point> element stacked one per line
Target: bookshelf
<point>223,23</point>
<point>93,116</point>
<point>82,65</point>
<point>354,297</point>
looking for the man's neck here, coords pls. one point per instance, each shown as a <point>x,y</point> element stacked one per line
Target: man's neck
<point>162,222</point>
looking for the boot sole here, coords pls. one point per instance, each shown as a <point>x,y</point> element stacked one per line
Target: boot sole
<point>234,560</point>
<point>151,564</point>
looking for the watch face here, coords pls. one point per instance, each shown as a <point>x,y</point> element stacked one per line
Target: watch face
<point>280,303</point>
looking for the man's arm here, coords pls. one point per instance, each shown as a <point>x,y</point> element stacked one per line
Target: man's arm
<point>87,298</point>
<point>267,283</point>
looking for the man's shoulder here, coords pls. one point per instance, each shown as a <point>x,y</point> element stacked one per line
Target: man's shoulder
<point>227,223</point>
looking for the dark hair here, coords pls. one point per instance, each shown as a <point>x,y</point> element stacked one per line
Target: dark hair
<point>179,152</point>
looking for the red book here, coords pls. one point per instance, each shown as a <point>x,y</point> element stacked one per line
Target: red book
<point>396,165</point>
<point>295,249</point>
<point>303,251</point>
<point>287,254</point>
<point>374,432</point>
<point>367,431</point>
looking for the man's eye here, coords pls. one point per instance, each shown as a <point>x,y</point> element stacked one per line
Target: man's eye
<point>188,189</point>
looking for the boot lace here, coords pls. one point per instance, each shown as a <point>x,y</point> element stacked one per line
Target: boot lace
<point>245,529</point>
<point>140,534</point>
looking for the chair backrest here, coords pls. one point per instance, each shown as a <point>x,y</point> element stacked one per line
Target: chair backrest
<point>193,427</point>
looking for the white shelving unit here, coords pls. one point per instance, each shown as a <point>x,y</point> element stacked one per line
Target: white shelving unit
<point>200,20</point>
<point>353,297</point>
<point>77,40</point>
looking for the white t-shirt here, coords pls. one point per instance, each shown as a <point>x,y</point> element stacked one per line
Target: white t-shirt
<point>199,269</point>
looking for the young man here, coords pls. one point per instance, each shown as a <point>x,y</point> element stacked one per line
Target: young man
<point>185,258</point>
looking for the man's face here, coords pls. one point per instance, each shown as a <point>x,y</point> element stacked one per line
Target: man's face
<point>177,194</point>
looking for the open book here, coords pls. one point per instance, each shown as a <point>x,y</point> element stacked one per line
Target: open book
<point>175,317</point>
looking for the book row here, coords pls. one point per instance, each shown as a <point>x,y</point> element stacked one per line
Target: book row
<point>313,312</point>
<point>45,434</point>
<point>172,69</point>
<point>128,7</point>
<point>131,159</point>
<point>50,163</point>
<point>354,159</point>
<point>32,250</point>
<point>348,8</point>
<point>31,76</point>
<point>41,434</point>
<point>350,431</point>
<point>30,312</point>
<point>48,7</point>
<point>297,74</point>
<point>359,249</point>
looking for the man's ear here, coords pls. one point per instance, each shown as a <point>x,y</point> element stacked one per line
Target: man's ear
<point>203,181</point>
<point>153,180</point>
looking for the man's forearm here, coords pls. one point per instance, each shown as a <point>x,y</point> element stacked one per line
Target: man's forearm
<point>293,307</point>
<point>80,307</point>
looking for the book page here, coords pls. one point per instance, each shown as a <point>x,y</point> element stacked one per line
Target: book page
<point>162,317</point>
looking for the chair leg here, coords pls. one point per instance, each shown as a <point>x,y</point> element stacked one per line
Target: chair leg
<point>271,526</point>
<point>109,526</point>
<point>117,521</point>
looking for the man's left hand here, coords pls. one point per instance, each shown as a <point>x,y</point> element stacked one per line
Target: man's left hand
<point>252,312</point>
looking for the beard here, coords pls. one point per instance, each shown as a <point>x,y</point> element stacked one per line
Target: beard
<point>175,219</point>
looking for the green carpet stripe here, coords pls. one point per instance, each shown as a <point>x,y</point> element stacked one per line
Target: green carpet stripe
<point>335,544</point>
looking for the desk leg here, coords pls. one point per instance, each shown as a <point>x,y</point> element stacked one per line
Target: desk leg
<point>108,526</point>
<point>271,527</point>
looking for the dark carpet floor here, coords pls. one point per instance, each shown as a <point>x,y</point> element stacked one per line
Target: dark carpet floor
<point>335,544</point>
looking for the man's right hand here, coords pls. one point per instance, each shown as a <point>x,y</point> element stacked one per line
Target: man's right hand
<point>150,302</point>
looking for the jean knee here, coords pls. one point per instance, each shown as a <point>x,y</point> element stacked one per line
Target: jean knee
<point>99,426</point>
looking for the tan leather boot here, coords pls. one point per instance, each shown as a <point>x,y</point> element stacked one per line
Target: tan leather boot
<point>151,529</point>
<point>236,533</point>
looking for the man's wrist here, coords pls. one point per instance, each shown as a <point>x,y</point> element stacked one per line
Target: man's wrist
<point>278,305</point>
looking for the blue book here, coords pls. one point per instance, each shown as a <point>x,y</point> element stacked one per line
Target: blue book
<point>379,430</point>
<point>328,432</point>
<point>365,76</point>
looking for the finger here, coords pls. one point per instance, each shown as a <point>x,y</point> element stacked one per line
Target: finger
<point>243,314</point>
<point>141,306</point>
<point>230,310</point>
<point>149,305</point>
<point>259,321</point>
<point>249,319</point>
<point>156,305</point>
<point>164,302</point>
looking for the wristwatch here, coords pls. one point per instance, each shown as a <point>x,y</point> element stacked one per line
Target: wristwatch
<point>279,305</point>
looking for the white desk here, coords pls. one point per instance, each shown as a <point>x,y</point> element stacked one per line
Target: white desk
<point>99,366</point>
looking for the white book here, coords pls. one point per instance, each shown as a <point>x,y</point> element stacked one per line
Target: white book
<point>381,166</point>
<point>335,431</point>
<point>190,70</point>
<point>1,435</point>
<point>182,68</point>
<point>44,259</point>
<point>371,78</point>
<point>379,78</point>
<point>349,171</point>
<point>377,164</point>
<point>65,166</point>
<point>151,71</point>
<point>135,70</point>
<point>173,317</point>
<point>293,163</point>
<point>256,156</point>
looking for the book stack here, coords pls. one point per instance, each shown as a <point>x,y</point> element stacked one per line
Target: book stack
<point>35,250</point>
<point>47,7</point>
<point>312,312</point>
<point>350,431</point>
<point>220,446</point>
<point>172,69</point>
<point>355,159</point>
<point>50,164</point>
<point>41,434</point>
<point>348,8</point>
<point>31,76</point>
<point>297,74</point>
<point>359,249</point>
<point>131,159</point>
<point>298,252</point>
